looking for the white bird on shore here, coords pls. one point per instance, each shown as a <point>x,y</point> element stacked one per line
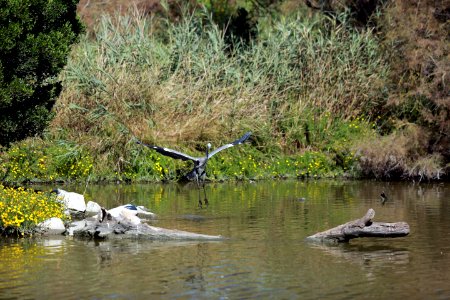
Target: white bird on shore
<point>127,213</point>
<point>131,209</point>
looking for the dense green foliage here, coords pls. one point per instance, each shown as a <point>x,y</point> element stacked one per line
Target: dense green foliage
<point>287,88</point>
<point>35,39</point>
<point>313,90</point>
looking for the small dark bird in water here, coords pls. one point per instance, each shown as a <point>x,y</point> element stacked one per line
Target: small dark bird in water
<point>383,197</point>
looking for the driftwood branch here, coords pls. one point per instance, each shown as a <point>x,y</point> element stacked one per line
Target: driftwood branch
<point>363,227</point>
<point>113,228</point>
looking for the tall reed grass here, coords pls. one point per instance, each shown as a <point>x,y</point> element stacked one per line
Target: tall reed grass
<point>182,84</point>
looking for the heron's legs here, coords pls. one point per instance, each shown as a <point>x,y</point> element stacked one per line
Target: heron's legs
<point>200,203</point>
<point>204,192</point>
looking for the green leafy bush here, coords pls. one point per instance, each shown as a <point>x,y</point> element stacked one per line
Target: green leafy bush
<point>35,39</point>
<point>36,160</point>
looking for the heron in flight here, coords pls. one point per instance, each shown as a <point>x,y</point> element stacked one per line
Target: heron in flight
<point>198,173</point>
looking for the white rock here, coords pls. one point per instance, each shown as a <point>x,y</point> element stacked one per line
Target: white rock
<point>52,226</point>
<point>76,226</point>
<point>92,209</point>
<point>72,201</point>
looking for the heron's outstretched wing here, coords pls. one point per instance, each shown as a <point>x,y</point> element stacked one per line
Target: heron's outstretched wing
<point>236,142</point>
<point>169,152</point>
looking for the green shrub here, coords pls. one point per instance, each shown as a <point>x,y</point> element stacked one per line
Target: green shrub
<point>35,39</point>
<point>44,161</point>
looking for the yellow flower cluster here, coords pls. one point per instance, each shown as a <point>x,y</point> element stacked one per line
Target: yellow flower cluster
<point>23,163</point>
<point>19,166</point>
<point>159,169</point>
<point>82,167</point>
<point>23,209</point>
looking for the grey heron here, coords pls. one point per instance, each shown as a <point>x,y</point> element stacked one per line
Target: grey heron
<point>198,173</point>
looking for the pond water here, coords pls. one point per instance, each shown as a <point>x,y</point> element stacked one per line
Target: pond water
<point>266,255</point>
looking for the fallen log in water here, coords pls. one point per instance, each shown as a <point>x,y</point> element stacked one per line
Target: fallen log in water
<point>112,228</point>
<point>363,227</point>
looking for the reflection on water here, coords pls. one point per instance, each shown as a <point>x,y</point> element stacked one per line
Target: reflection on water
<point>266,256</point>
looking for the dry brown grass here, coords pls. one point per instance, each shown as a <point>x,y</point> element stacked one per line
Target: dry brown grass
<point>124,82</point>
<point>91,11</point>
<point>418,31</point>
<point>426,168</point>
<point>400,155</point>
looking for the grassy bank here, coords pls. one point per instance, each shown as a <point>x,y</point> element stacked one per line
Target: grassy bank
<point>312,91</point>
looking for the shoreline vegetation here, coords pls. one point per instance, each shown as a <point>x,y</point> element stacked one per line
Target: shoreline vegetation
<point>22,209</point>
<point>312,90</point>
<point>316,92</point>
